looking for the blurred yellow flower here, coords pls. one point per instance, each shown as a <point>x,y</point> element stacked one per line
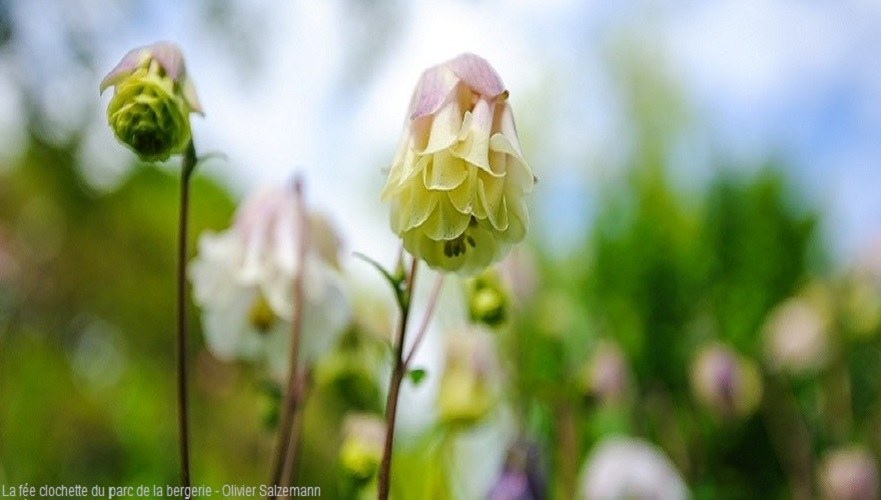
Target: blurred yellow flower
<point>153,98</point>
<point>458,180</point>
<point>466,391</point>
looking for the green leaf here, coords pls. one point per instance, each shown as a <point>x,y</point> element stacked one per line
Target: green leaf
<point>397,283</point>
<point>417,375</point>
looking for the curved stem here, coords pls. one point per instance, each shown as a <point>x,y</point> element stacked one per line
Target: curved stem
<point>189,164</point>
<point>398,371</point>
<point>291,396</point>
<point>423,327</point>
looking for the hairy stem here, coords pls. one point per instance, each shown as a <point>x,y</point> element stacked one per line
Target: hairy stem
<point>291,397</point>
<point>189,164</point>
<point>398,372</point>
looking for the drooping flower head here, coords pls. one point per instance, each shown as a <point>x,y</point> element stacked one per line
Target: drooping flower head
<point>152,101</point>
<point>458,180</point>
<point>243,280</point>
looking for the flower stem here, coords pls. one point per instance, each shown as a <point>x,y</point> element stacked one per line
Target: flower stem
<point>292,396</point>
<point>398,372</point>
<point>189,164</point>
<point>290,463</point>
<point>423,327</point>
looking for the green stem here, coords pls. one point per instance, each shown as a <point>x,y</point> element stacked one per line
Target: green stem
<point>189,164</point>
<point>398,372</point>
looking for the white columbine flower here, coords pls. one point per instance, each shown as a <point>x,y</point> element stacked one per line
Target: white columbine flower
<point>630,468</point>
<point>243,280</point>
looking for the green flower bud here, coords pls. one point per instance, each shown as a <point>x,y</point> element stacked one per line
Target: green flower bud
<point>487,299</point>
<point>152,101</point>
<point>362,446</point>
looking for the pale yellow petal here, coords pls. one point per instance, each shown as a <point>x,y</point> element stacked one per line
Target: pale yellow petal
<point>412,207</point>
<point>474,146</point>
<point>445,222</point>
<point>445,127</point>
<point>444,172</point>
<point>489,191</point>
<point>462,197</point>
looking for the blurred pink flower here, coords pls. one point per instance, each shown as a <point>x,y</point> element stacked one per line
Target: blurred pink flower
<point>849,474</point>
<point>608,376</point>
<point>725,382</point>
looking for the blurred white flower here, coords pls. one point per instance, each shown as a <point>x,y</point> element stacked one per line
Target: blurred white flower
<point>243,280</point>
<point>620,468</point>
<point>796,335</point>
<point>849,474</point>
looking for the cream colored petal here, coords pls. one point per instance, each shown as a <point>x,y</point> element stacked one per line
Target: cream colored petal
<point>445,222</point>
<point>413,206</point>
<point>504,124</point>
<point>518,221</point>
<point>474,146</point>
<point>444,172</point>
<point>490,191</point>
<point>462,196</point>
<point>190,96</point>
<point>485,251</point>
<point>520,176</point>
<point>515,166</point>
<point>501,143</point>
<point>445,128</point>
<point>402,173</point>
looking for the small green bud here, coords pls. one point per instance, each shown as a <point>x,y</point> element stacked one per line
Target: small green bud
<point>152,101</point>
<point>487,299</point>
<point>361,450</point>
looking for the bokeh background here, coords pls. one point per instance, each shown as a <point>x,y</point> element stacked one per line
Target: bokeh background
<point>708,176</point>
